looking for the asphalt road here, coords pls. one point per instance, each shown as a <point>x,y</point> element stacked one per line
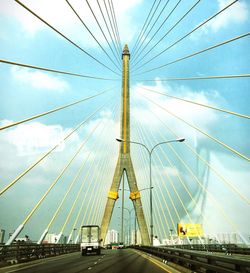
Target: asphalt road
<point>110,261</point>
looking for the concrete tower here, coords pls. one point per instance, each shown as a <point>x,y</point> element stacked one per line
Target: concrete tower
<point>124,163</point>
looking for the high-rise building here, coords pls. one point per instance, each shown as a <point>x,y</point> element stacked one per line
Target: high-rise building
<point>138,237</point>
<point>112,236</point>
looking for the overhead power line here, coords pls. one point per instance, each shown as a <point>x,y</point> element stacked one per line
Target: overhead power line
<point>50,111</point>
<point>61,34</point>
<point>189,33</point>
<point>197,53</point>
<point>57,71</point>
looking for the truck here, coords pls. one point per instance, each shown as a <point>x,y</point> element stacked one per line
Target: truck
<point>90,240</point>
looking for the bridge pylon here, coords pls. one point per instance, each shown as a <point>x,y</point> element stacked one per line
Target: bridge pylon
<point>124,163</point>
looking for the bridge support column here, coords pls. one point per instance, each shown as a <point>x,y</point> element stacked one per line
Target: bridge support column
<point>124,163</point>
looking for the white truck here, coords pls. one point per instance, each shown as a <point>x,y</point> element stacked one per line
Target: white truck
<point>90,240</point>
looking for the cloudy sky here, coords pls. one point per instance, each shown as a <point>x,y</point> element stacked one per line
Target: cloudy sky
<point>193,181</point>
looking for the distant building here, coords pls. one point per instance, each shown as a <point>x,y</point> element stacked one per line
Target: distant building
<point>52,238</point>
<point>138,237</point>
<point>24,239</point>
<point>156,241</point>
<point>2,233</point>
<point>112,237</point>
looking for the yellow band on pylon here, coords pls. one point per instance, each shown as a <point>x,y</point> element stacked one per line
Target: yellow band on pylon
<point>135,195</point>
<point>113,195</point>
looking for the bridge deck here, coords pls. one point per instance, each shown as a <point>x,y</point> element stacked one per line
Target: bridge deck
<point>111,261</point>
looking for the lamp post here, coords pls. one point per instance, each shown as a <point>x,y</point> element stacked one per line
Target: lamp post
<point>150,151</point>
<point>74,230</point>
<point>171,237</point>
<point>129,211</point>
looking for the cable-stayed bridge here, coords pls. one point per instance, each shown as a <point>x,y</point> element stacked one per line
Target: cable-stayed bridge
<point>158,158</point>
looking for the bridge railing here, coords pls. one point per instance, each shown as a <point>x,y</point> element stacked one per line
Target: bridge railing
<point>17,253</point>
<point>200,261</point>
<point>225,248</point>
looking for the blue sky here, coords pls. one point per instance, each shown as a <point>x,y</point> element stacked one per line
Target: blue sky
<point>26,92</point>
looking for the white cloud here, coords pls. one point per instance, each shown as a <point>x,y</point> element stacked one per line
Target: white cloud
<point>236,14</point>
<point>59,14</point>
<point>202,117</point>
<point>33,138</point>
<point>38,79</point>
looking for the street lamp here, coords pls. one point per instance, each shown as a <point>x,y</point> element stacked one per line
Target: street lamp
<point>150,175</point>
<point>74,230</point>
<point>129,211</point>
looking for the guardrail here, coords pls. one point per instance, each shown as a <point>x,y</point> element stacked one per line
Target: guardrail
<point>200,261</point>
<point>17,253</point>
<point>225,248</point>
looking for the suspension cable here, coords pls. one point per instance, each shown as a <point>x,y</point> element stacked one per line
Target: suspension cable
<point>142,29</point>
<point>78,195</point>
<point>69,40</point>
<point>65,168</point>
<point>56,71</point>
<point>157,199</point>
<point>197,103</point>
<point>135,56</point>
<point>163,198</point>
<point>111,6</point>
<point>198,52</point>
<point>73,182</point>
<point>103,178</point>
<point>86,192</point>
<point>189,33</point>
<point>93,36</point>
<point>173,186</point>
<point>109,32</point>
<point>96,193</point>
<point>202,132</point>
<point>181,180</point>
<point>90,172</point>
<point>210,196</point>
<point>51,150</point>
<point>101,168</point>
<point>101,29</point>
<point>151,18</point>
<point>247,75</point>
<point>215,171</point>
<point>111,25</point>
<point>164,36</point>
<point>51,111</point>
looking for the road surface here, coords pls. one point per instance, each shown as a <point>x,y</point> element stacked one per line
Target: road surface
<point>110,261</point>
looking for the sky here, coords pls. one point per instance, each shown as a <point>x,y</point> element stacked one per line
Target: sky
<point>185,190</point>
